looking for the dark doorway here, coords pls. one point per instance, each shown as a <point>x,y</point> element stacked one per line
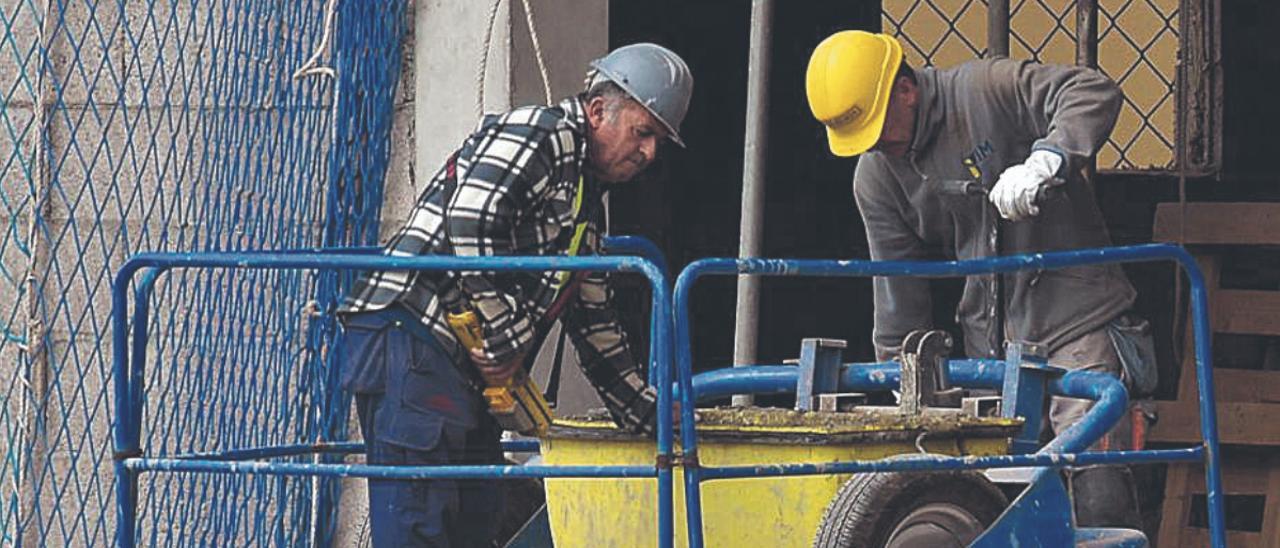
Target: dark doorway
<point>690,207</point>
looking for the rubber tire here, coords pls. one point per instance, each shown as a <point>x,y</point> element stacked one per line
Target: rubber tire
<point>869,507</point>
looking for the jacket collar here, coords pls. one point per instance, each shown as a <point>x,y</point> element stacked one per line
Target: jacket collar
<point>575,114</point>
<point>929,110</point>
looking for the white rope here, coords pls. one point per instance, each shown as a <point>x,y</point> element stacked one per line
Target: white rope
<point>312,66</point>
<point>484,59</point>
<point>537,50</point>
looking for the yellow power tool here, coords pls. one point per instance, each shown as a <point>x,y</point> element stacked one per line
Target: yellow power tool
<point>518,404</point>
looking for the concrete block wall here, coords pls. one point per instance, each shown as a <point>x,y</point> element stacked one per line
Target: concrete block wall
<point>120,107</point>
<point>18,141</point>
<point>123,140</point>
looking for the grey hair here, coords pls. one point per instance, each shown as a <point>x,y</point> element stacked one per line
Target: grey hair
<point>614,96</point>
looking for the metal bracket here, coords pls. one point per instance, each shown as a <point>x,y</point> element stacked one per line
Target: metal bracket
<point>1040,516</point>
<point>688,460</point>
<point>820,362</point>
<point>664,462</point>
<point>845,401</point>
<point>1026,385</point>
<point>981,406</point>
<point>925,379</point>
<point>682,460</point>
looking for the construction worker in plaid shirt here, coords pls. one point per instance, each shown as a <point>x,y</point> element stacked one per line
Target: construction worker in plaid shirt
<point>527,182</point>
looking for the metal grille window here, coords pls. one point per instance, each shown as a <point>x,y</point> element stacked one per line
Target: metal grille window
<point>1138,43</point>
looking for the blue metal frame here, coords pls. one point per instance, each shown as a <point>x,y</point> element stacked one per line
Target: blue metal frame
<point>129,381</point>
<point>1061,452</point>
<point>1068,449</point>
<point>1026,381</point>
<point>644,248</point>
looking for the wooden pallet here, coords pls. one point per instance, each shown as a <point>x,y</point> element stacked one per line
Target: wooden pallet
<point>1242,395</point>
<point>1248,401</point>
<point>1241,477</point>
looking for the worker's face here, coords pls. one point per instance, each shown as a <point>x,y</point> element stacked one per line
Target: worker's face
<point>624,138</point>
<point>899,120</point>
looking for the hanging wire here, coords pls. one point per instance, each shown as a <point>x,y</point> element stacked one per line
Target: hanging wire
<point>537,51</point>
<point>487,46</point>
<point>312,66</point>
<point>484,57</point>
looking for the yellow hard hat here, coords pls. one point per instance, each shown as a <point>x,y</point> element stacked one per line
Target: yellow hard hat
<point>848,82</point>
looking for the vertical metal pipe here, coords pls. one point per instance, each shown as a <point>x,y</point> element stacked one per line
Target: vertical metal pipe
<point>1208,410</point>
<point>649,251</point>
<point>124,445</point>
<point>751,229</point>
<point>1087,33</point>
<point>661,363</point>
<point>997,46</point>
<point>998,28</point>
<point>688,433</point>
<point>1087,52</point>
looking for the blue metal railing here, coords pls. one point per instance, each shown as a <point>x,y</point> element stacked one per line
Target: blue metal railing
<point>1057,454</point>
<point>669,329</point>
<point>644,248</point>
<point>129,373</point>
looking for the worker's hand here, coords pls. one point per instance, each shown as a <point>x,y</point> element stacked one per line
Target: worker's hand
<point>1020,186</point>
<point>495,373</point>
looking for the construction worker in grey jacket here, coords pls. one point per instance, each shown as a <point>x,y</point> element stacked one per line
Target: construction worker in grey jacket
<point>980,160</point>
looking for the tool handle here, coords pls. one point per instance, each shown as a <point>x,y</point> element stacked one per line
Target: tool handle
<point>466,326</point>
<point>1051,191</point>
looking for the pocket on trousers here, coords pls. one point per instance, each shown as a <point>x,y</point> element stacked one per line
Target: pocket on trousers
<point>439,391</point>
<point>361,355</point>
<point>414,430</point>
<point>1131,337</point>
<point>424,379</point>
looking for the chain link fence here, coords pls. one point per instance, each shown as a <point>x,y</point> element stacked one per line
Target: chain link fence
<point>177,125</point>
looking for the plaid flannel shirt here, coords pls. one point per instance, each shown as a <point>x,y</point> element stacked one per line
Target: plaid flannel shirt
<point>511,192</point>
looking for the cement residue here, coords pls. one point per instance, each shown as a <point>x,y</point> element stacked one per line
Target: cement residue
<point>867,419</point>
<point>861,420</point>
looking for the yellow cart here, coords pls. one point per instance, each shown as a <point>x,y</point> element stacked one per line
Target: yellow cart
<point>777,511</point>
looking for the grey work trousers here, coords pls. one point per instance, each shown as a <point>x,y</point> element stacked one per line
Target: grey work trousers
<point>1102,496</point>
<point>1092,352</point>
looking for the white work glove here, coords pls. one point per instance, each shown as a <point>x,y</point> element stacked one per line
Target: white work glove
<point>1016,192</point>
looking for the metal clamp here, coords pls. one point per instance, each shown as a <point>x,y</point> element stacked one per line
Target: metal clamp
<point>682,460</point>
<point>688,460</point>
<point>664,462</point>
<point>925,379</point>
<point>129,454</point>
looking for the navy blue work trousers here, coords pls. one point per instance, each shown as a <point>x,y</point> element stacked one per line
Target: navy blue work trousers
<point>415,408</point>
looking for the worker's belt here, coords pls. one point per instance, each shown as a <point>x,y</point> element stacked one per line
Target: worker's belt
<point>400,316</point>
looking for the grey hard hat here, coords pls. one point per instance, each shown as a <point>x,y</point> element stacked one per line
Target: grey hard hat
<point>655,77</point>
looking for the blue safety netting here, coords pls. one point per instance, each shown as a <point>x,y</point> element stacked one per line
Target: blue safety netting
<point>154,125</point>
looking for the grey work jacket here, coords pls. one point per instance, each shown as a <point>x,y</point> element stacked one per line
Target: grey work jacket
<point>972,122</point>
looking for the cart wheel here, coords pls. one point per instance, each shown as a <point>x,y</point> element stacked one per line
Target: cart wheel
<point>908,510</point>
